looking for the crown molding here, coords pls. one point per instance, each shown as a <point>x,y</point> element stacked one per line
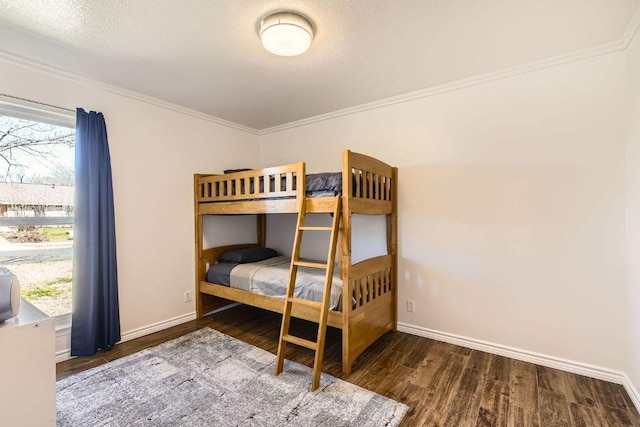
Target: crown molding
<point>457,85</point>
<point>58,72</point>
<point>580,55</point>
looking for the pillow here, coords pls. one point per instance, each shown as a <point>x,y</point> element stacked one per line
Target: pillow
<point>226,171</point>
<point>246,255</point>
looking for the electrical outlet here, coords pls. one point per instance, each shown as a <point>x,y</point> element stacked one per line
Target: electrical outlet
<point>411,306</point>
<point>187,296</point>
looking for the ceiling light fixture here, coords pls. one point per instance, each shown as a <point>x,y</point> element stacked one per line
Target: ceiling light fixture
<point>286,34</point>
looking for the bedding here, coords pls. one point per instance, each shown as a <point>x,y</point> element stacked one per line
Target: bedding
<point>270,277</point>
<point>329,184</point>
<point>326,182</point>
<point>220,273</point>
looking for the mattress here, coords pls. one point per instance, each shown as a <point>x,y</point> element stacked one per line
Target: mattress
<point>270,278</point>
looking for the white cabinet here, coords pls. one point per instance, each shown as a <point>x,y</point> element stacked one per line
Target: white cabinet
<point>28,369</point>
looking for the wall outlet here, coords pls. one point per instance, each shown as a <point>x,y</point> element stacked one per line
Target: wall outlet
<point>187,296</point>
<point>411,306</point>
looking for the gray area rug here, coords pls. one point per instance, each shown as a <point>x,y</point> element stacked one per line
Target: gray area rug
<point>207,378</point>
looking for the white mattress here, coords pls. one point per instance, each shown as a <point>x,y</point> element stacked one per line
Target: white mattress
<point>270,277</point>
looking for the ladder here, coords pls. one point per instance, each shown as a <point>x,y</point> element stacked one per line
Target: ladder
<point>316,205</point>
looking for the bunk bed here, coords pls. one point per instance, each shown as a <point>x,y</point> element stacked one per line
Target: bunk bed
<point>368,187</point>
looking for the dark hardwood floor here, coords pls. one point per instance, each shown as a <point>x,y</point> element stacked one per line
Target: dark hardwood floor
<point>443,384</point>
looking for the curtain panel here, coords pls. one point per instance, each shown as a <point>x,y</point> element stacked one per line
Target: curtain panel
<point>95,315</point>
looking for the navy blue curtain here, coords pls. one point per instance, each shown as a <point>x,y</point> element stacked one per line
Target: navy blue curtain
<point>95,322</point>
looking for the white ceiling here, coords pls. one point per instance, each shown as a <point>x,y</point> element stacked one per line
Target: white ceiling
<point>205,54</point>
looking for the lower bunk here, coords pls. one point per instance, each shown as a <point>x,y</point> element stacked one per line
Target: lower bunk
<point>369,314</point>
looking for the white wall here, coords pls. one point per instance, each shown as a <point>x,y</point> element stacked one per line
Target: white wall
<point>154,154</point>
<point>511,209</point>
<point>633,210</point>
<point>512,201</point>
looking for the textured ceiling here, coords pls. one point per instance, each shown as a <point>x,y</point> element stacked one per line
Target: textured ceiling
<point>205,54</point>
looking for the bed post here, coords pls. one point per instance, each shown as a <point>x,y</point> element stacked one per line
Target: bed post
<point>198,247</point>
<point>262,230</point>
<point>345,260</point>
<point>392,245</point>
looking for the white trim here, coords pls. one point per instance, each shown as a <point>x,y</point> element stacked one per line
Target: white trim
<point>580,368</point>
<point>633,393</point>
<point>57,72</point>
<point>554,61</point>
<point>23,109</point>
<point>158,326</point>
<point>457,85</point>
<point>63,355</point>
<point>501,350</point>
<point>63,322</point>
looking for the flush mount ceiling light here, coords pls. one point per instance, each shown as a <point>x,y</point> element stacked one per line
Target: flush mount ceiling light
<point>286,34</point>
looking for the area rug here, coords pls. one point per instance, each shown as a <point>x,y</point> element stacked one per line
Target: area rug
<point>207,378</point>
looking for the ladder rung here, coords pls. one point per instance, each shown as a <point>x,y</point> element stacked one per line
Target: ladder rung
<point>316,228</point>
<point>306,302</point>
<point>300,341</point>
<point>310,264</point>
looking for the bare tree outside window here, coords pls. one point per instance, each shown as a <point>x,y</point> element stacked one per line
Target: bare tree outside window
<point>36,209</point>
<point>28,148</point>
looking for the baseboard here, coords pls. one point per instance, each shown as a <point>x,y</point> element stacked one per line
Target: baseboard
<point>159,326</point>
<point>633,393</point>
<point>63,355</point>
<point>523,355</point>
<point>529,356</point>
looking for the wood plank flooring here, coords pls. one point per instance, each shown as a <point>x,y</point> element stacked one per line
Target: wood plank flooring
<point>443,384</point>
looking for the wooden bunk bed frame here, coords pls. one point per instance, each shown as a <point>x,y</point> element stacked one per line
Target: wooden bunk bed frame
<point>369,187</point>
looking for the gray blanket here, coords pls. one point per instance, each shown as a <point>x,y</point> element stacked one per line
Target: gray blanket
<point>329,182</point>
<point>270,277</point>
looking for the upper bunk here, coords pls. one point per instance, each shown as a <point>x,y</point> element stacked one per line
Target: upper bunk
<point>368,187</point>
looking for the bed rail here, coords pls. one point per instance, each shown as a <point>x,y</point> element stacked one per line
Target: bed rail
<point>254,191</point>
<point>369,280</point>
<point>371,186</point>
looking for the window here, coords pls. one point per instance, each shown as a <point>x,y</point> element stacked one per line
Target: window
<point>36,203</point>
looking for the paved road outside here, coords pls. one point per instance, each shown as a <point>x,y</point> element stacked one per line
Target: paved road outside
<point>19,253</point>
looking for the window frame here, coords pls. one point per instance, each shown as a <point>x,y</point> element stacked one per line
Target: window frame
<point>18,108</point>
<point>37,112</point>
